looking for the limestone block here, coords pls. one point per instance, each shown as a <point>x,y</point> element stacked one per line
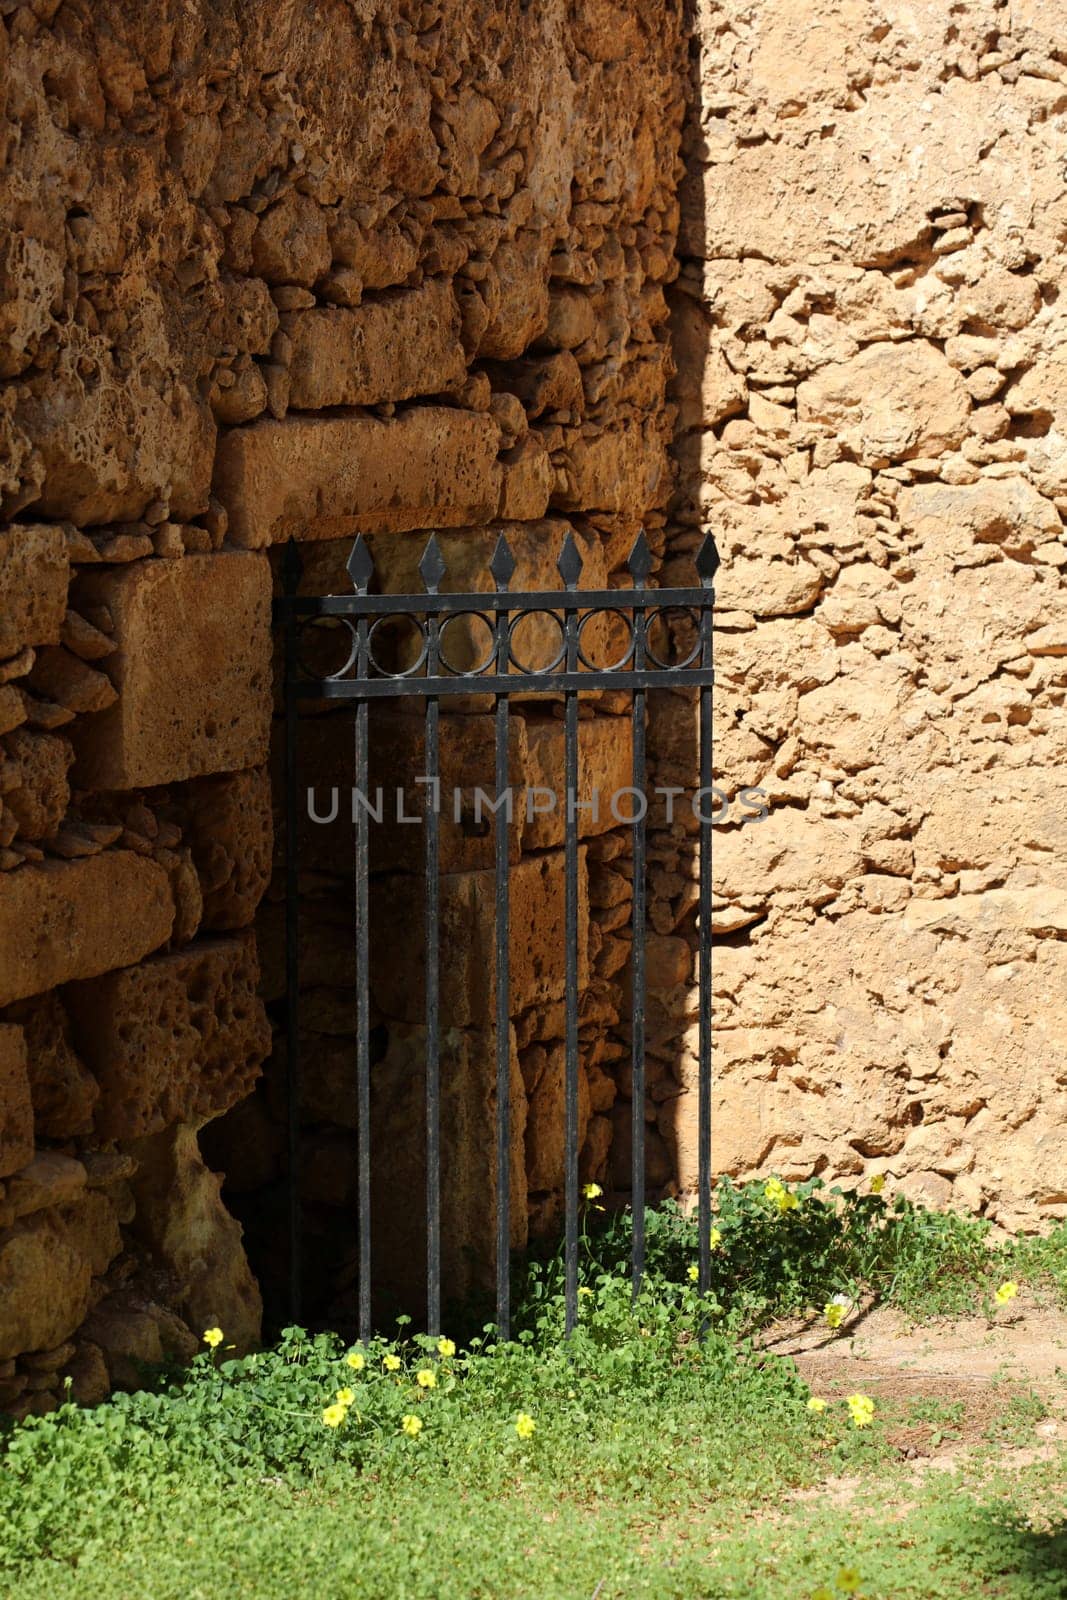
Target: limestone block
<point>192,671</point>
<point>983,822</point>
<point>47,1264</point>
<point>229,828</point>
<point>179,1038</point>
<point>48,1180</point>
<point>468,950</point>
<point>404,344</point>
<point>16,1109</point>
<point>63,1092</point>
<point>544,1073</point>
<point>181,1218</point>
<point>468,1164</point>
<point>605,757</point>
<point>58,920</point>
<point>65,679</point>
<point>951,519</point>
<point>516,291</point>
<point>34,573</point>
<point>133,1333</point>
<point>40,794</point>
<point>466,822</point>
<point>323,477</point>
<point>620,470</point>
<point>890,401</point>
<point>291,244</point>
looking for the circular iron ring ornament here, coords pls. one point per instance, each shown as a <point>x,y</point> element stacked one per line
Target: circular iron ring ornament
<point>442,633</point>
<point>536,672</point>
<point>663,612</point>
<point>628,624</point>
<point>328,625</point>
<point>420,629</point>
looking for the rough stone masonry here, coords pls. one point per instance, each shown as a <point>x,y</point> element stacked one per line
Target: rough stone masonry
<point>329,266</point>
<point>871,339</point>
<point>292,271</point>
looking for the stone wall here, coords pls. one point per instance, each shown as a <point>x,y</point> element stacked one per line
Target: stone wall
<point>872,346</point>
<point>273,271</point>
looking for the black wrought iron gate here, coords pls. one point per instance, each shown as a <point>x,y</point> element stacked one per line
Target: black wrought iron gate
<point>569,672</point>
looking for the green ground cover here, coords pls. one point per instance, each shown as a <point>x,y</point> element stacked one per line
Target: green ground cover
<point>658,1452</point>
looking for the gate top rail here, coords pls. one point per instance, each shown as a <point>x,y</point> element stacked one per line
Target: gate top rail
<point>501,612</point>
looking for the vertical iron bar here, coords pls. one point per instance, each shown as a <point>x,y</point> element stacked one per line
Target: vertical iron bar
<point>503,1002</point>
<point>290,582</point>
<point>637,1181</point>
<point>704,959</point>
<point>362,868</point>
<point>570,873</point>
<point>433,1054</point>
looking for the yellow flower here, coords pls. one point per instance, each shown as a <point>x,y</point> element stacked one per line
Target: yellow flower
<point>525,1425</point>
<point>344,1397</point>
<point>848,1580</point>
<point>213,1337</point>
<point>425,1378</point>
<point>834,1314</point>
<point>816,1404</point>
<point>861,1409</point>
<point>356,1360</point>
<point>878,1183</point>
<point>714,1238</point>
<point>694,1274</point>
<point>446,1348</point>
<point>585,1290</point>
<point>822,1593</point>
<point>333,1416</point>
<point>592,1191</point>
<point>1006,1292</point>
<point>412,1426</point>
<point>391,1363</point>
<point>775,1191</point>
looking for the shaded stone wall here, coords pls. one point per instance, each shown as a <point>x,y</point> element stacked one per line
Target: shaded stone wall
<point>871,338</point>
<point>269,271</point>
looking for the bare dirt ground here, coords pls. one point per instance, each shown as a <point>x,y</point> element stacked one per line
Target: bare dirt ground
<point>947,1387</point>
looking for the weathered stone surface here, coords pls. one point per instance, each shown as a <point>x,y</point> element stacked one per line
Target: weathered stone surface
<point>227,822</point>
<point>890,402</point>
<point>58,922</point>
<point>871,380</point>
<point>34,572</point>
<point>468,950</point>
<point>466,822</point>
<point>48,1179</point>
<point>605,770</point>
<point>16,1109</point>
<point>178,1038</point>
<point>322,477</point>
<point>390,349</point>
<point>63,1091</point>
<point>189,1232</point>
<point>312,221</point>
<point>47,1263</point>
<point>35,785</point>
<point>191,671</point>
<point>133,1333</point>
<point>468,1164</point>
<point>544,1075</point>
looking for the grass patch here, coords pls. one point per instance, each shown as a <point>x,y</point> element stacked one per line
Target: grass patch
<point>656,1453</point>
